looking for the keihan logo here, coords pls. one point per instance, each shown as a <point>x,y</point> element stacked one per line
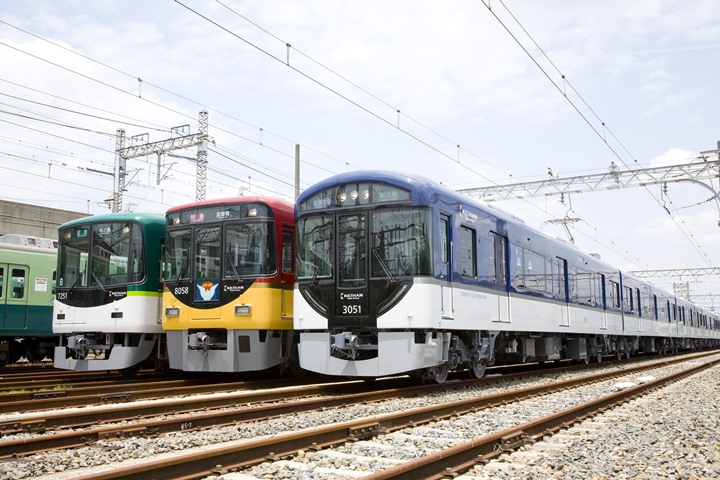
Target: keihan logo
<point>350,296</point>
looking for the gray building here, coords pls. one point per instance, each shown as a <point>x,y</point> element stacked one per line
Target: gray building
<point>33,220</point>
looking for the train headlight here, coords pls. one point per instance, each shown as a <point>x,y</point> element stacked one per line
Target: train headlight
<point>243,310</point>
<point>172,311</point>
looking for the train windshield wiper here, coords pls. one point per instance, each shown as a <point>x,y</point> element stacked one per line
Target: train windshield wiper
<point>75,284</point>
<point>232,264</point>
<point>313,280</point>
<point>181,272</point>
<point>97,280</point>
<point>384,266</point>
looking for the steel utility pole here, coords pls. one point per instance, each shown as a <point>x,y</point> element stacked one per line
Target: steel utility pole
<point>122,154</point>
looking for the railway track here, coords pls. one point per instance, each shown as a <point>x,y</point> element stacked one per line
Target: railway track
<point>253,452</point>
<point>41,396</point>
<point>56,389</point>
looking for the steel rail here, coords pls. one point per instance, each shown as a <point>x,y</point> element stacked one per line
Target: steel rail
<point>76,396</point>
<point>243,453</point>
<point>460,458</point>
<point>73,419</point>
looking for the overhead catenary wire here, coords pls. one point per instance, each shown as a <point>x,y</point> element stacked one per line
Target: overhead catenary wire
<point>686,234</point>
<point>336,92</point>
<point>261,142</point>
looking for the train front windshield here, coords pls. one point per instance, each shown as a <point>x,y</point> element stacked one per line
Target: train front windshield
<point>387,243</point>
<point>235,249</point>
<point>100,255</point>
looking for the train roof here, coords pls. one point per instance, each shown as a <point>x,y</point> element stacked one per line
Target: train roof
<point>28,241</point>
<point>273,202</point>
<point>424,189</point>
<point>142,218</point>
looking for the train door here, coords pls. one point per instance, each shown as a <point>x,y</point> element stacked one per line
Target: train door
<point>563,290</point>
<point>603,297</point>
<point>446,269</point>
<point>500,260</point>
<point>352,267</point>
<point>286,273</point>
<point>13,288</point>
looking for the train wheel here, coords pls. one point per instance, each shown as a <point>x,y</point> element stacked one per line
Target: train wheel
<point>477,369</point>
<point>598,358</point>
<point>294,367</point>
<point>130,372</point>
<point>16,351</point>
<point>32,357</point>
<point>440,373</point>
<point>295,370</point>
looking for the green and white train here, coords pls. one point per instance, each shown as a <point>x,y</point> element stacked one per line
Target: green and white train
<point>107,312</point>
<point>27,283</point>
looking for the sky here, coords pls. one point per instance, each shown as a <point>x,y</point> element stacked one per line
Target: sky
<point>468,93</point>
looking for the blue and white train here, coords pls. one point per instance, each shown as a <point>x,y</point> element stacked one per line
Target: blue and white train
<point>397,274</point>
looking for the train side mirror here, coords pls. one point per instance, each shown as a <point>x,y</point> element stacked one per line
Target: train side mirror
<point>444,269</point>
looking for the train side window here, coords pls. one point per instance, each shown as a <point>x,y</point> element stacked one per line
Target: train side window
<point>468,252</point>
<point>444,247</point>
<point>497,259</point>
<point>627,299</point>
<point>638,302</point>
<point>17,283</point>
<point>654,307</point>
<point>287,251</point>
<point>2,281</point>
<point>584,288</point>
<point>614,294</point>
<point>562,283</point>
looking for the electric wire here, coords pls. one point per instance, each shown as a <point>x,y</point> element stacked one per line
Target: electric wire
<point>334,91</point>
<point>687,235</point>
<point>302,73</point>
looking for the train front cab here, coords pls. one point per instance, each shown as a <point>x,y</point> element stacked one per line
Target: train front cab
<point>227,295</point>
<point>374,294</point>
<point>106,313</point>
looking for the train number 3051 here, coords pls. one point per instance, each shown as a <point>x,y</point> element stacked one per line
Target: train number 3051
<point>351,310</point>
